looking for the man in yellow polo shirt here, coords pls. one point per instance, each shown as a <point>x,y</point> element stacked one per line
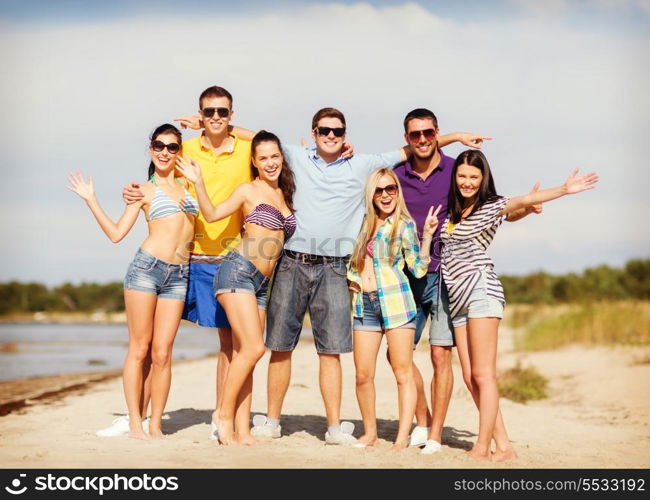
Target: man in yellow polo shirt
<point>225,164</point>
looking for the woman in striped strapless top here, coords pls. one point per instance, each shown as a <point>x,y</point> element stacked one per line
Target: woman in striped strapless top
<point>242,280</point>
<point>475,293</point>
<point>155,282</point>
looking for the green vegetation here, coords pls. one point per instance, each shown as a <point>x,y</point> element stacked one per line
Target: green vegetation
<point>522,384</point>
<point>605,322</point>
<point>598,283</point>
<point>18,297</point>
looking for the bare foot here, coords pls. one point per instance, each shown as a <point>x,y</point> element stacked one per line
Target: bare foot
<point>225,432</point>
<point>248,440</point>
<point>399,445</point>
<point>504,455</point>
<point>368,439</point>
<point>138,435</point>
<point>155,433</point>
<point>477,454</point>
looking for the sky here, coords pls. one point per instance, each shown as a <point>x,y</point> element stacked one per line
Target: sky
<point>558,84</point>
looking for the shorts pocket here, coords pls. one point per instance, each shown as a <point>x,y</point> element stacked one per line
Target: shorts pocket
<point>144,263</point>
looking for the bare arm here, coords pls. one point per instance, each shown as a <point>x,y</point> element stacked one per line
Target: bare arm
<point>466,138</point>
<point>114,230</point>
<point>523,212</point>
<point>194,122</point>
<point>573,185</point>
<point>192,171</point>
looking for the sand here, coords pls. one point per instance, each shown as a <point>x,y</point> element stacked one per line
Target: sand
<point>597,416</point>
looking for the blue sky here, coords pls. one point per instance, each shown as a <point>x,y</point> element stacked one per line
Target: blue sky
<point>559,85</point>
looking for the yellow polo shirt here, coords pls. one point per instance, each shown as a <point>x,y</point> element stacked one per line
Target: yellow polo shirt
<point>221,175</point>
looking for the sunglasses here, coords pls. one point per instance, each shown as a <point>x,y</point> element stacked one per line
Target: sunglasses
<point>428,134</point>
<point>337,131</point>
<point>391,190</point>
<point>172,147</point>
<point>209,112</point>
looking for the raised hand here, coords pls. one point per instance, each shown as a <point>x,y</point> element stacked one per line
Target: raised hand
<point>575,184</point>
<point>537,208</point>
<point>431,222</point>
<point>473,140</point>
<point>189,168</point>
<point>85,189</point>
<point>189,121</point>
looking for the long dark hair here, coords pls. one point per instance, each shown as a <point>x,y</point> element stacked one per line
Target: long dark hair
<point>486,192</point>
<point>286,181</point>
<point>165,128</point>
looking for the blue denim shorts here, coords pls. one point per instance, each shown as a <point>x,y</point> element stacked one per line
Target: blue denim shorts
<point>147,273</point>
<point>201,306</point>
<point>323,289</point>
<point>237,274</point>
<point>434,303</point>
<point>372,320</point>
<point>479,304</point>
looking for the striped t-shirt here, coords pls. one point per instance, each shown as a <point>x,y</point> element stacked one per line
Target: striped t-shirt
<point>464,255</point>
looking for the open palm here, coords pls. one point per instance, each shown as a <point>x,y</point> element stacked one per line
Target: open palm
<point>189,168</point>
<point>85,189</point>
<point>575,184</point>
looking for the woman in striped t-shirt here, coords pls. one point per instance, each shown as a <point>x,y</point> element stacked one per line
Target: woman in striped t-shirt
<point>475,293</point>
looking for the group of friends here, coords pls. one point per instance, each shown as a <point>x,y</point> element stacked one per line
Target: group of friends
<point>247,234</point>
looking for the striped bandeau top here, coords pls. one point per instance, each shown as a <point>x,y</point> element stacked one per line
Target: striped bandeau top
<point>162,205</point>
<point>271,218</point>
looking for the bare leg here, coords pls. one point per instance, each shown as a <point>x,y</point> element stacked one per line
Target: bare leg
<point>223,362</point>
<point>243,316</point>
<point>166,321</point>
<point>400,345</point>
<point>441,386</point>
<point>504,449</point>
<point>331,386</point>
<point>244,400</point>
<point>146,387</point>
<point>366,347</point>
<point>422,413</point>
<point>140,307</point>
<point>278,381</point>
<point>482,343</point>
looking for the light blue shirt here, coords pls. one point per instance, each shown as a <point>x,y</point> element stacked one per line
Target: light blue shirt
<point>329,199</point>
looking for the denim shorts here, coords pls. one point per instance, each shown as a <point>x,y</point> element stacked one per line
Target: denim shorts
<point>372,320</point>
<point>237,274</point>
<point>320,288</point>
<point>434,303</point>
<point>147,273</point>
<point>479,305</point>
<point>201,306</point>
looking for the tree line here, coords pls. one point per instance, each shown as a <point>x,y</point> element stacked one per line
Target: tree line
<point>598,283</point>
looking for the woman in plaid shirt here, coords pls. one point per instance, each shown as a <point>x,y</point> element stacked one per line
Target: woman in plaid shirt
<point>382,298</point>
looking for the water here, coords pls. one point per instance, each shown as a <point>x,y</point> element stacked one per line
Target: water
<point>34,349</point>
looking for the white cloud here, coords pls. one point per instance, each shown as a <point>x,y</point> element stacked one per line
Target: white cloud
<point>87,95</point>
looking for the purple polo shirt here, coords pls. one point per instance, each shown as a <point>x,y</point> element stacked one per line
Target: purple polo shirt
<point>421,194</point>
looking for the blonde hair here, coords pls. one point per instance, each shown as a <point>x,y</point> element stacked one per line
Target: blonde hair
<point>400,215</point>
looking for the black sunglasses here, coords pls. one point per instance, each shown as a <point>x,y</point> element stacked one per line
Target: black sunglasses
<point>391,190</point>
<point>209,112</point>
<point>172,147</point>
<point>428,134</point>
<point>337,131</point>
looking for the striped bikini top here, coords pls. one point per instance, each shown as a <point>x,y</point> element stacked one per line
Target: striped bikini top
<point>271,218</point>
<point>162,205</point>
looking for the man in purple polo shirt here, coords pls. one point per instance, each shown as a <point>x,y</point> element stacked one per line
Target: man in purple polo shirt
<point>426,180</point>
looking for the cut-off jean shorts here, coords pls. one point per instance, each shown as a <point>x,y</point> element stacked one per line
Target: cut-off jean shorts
<point>479,305</point>
<point>237,274</point>
<point>147,273</point>
<point>372,320</point>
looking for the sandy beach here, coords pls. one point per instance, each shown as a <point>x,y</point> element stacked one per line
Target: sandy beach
<point>597,415</point>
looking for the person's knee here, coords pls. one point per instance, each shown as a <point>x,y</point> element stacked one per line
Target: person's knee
<point>225,340</point>
<point>254,352</point>
<point>364,377</point>
<point>139,351</point>
<point>484,377</point>
<point>280,356</point>
<point>403,375</point>
<point>441,358</point>
<point>161,356</point>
